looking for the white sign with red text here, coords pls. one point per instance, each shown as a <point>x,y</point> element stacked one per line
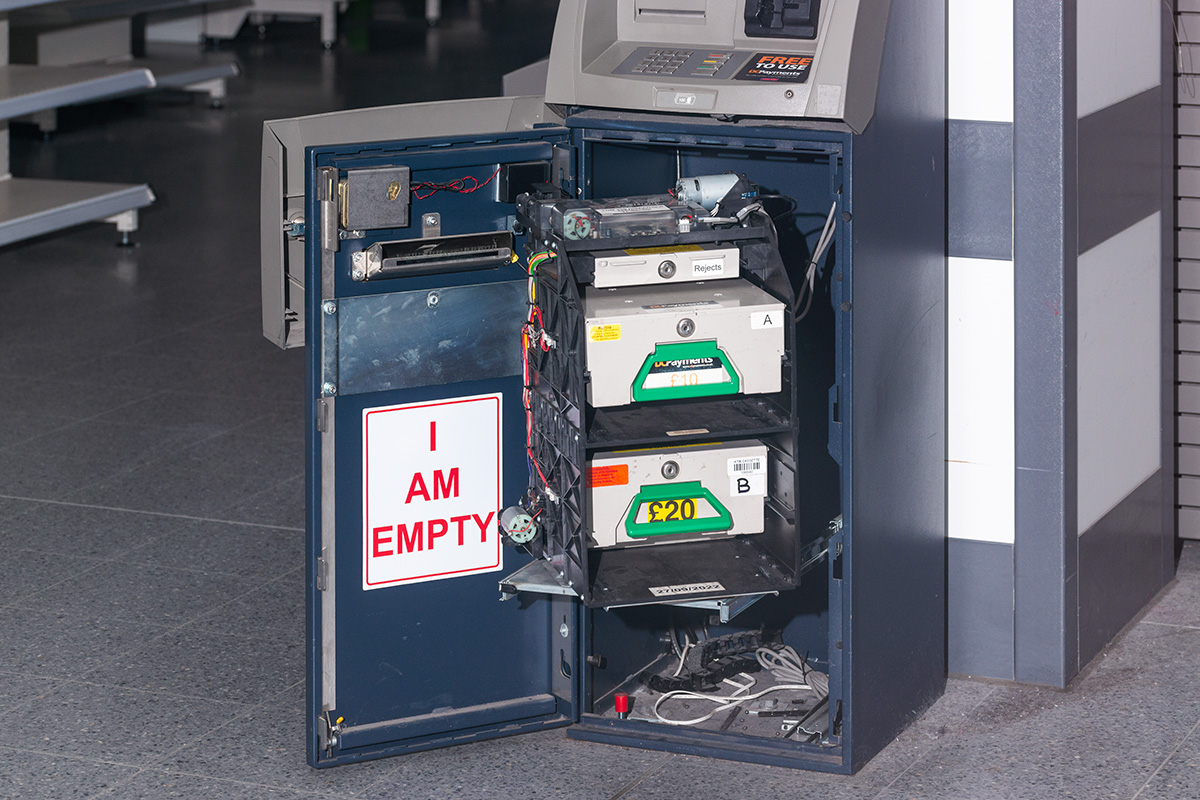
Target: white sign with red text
<point>431,490</point>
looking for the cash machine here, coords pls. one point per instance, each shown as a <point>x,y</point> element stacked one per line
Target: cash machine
<point>626,403</point>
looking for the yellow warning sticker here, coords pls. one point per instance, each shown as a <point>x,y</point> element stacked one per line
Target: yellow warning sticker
<point>658,251</point>
<point>605,333</point>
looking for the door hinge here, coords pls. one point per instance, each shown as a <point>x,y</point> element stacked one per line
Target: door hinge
<point>327,197</point>
<point>322,416</point>
<point>322,572</point>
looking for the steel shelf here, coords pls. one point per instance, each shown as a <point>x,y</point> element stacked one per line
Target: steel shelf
<point>26,88</point>
<point>176,66</point>
<point>32,207</point>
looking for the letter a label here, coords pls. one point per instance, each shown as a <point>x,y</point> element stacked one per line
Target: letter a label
<point>432,486</point>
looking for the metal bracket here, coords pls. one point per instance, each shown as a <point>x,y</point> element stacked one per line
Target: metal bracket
<point>726,607</point>
<point>329,352</point>
<point>538,576</point>
<point>322,572</point>
<point>431,224</point>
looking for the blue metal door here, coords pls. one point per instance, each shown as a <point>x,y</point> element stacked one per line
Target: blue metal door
<point>416,433</point>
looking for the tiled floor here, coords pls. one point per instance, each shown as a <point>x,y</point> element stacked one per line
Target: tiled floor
<point>151,506</point>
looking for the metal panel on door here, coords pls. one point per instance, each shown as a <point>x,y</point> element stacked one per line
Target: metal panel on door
<point>416,423</point>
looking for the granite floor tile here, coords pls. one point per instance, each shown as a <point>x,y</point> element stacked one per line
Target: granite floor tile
<point>1179,776</point>
<point>69,397</point>
<point>273,375</point>
<point>21,688</point>
<point>689,776</point>
<point>30,572</point>
<point>1028,742</point>
<point>944,720</point>
<point>269,749</point>
<point>26,424</point>
<point>282,505</point>
<point>536,766</point>
<point>27,774</point>
<point>273,611</point>
<point>113,725</point>
<point>211,413</point>
<point>89,531</point>
<point>24,360</point>
<point>158,785</point>
<point>1189,557</point>
<point>285,419</point>
<point>226,339</point>
<point>52,478</point>
<point>1180,604</point>
<point>174,485</point>
<point>120,370</point>
<point>35,641</point>
<point>224,548</point>
<point>205,665</point>
<point>149,594</point>
<point>266,459</point>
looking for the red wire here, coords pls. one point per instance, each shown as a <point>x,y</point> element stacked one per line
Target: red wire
<point>458,185</point>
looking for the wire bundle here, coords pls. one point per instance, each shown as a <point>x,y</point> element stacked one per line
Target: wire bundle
<point>788,666</point>
<point>464,185</point>
<point>532,334</point>
<point>809,287</point>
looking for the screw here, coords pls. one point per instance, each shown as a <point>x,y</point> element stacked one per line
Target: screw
<point>433,299</point>
<point>328,389</point>
<point>359,274</point>
<point>357,257</point>
<point>685,328</point>
<point>431,220</point>
<point>329,307</point>
<point>564,631</point>
<point>670,470</point>
<point>666,269</point>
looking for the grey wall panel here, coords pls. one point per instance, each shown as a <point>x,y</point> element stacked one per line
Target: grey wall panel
<point>980,603</point>
<point>1188,459</point>
<point>1188,213</point>
<point>1189,398</point>
<point>1188,336</point>
<point>1188,184</point>
<point>1120,566</point>
<point>1045,250</point>
<point>1189,151</point>
<point>1189,368</point>
<point>1189,523</point>
<point>1188,273</point>
<point>1188,426</point>
<point>979,172</point>
<point>1189,491</point>
<point>1189,120</point>
<point>1187,307</point>
<point>1189,241</point>
<point>1120,166</point>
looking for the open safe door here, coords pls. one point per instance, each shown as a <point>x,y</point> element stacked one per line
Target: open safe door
<point>413,304</point>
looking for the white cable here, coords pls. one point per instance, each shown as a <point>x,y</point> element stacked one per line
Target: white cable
<point>736,218</point>
<point>809,287</point>
<point>683,656</point>
<point>723,702</point>
<point>788,666</point>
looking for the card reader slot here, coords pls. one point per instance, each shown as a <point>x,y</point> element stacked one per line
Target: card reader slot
<point>438,255</point>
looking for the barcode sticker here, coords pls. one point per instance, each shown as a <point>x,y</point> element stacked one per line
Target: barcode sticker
<point>748,465</point>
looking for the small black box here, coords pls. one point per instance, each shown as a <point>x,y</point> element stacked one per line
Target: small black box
<point>520,178</point>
